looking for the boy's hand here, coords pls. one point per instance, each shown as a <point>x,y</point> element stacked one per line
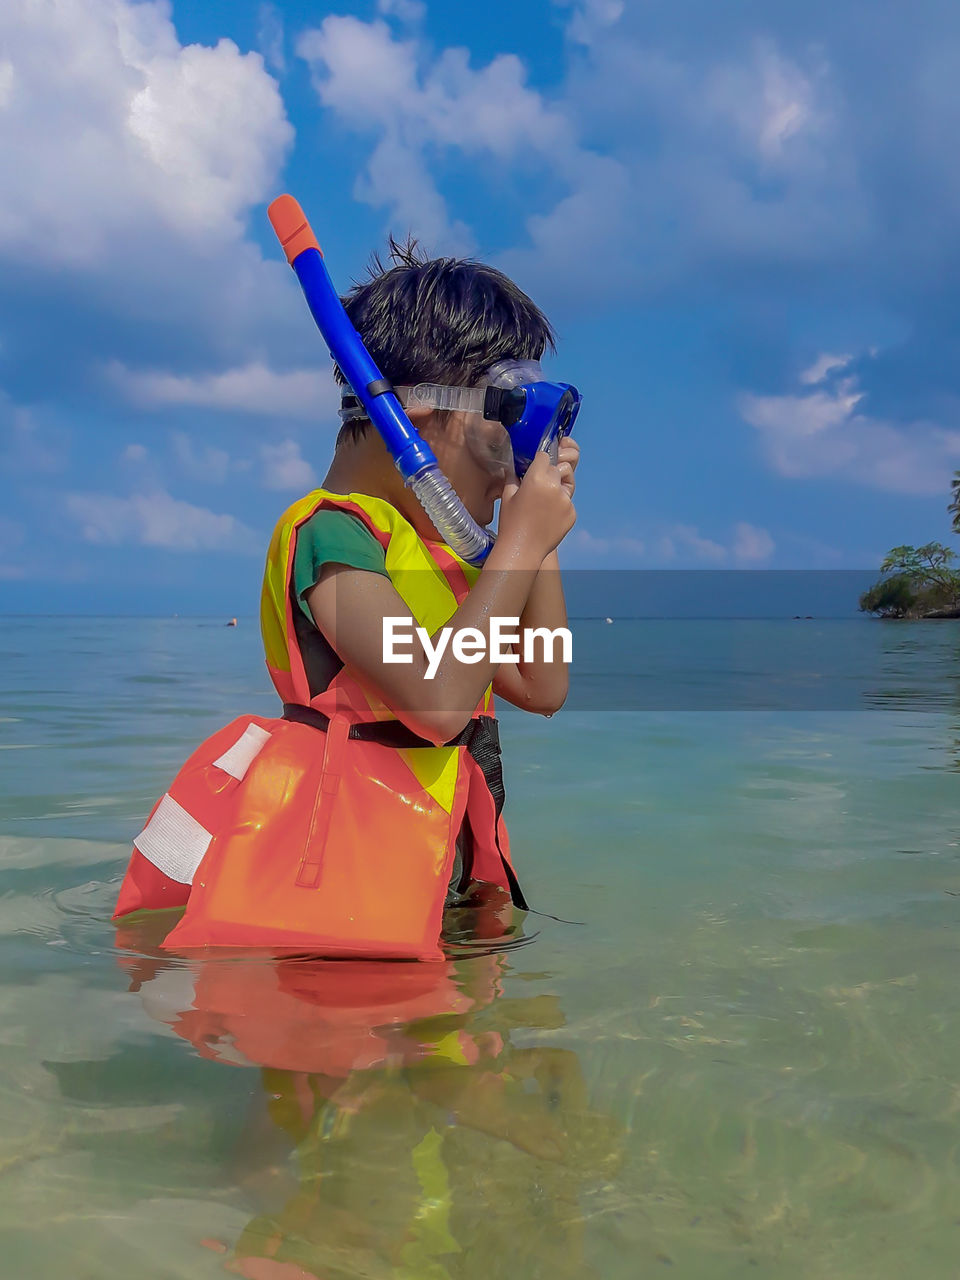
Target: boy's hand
<point>568,456</point>
<point>537,511</point>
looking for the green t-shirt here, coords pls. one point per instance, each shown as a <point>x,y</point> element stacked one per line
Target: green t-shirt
<point>332,537</point>
<point>328,537</point>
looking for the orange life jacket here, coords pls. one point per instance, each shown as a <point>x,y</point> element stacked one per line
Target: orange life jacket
<point>340,842</point>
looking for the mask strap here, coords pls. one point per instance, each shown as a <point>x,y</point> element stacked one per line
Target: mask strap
<point>424,395</point>
<point>432,395</point>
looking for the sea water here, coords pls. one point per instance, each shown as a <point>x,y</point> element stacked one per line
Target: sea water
<point>743,1059</point>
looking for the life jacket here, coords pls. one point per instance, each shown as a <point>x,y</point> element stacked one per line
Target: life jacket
<point>340,841</point>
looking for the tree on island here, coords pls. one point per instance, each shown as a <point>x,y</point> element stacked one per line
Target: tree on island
<point>954,507</point>
<point>918,582</point>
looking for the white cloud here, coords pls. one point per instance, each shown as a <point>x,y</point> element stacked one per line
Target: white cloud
<point>753,165</point>
<point>110,124</point>
<point>252,388</point>
<point>286,468</point>
<point>270,37</point>
<point>590,17</point>
<point>27,443</point>
<point>823,432</point>
<point>583,540</point>
<point>768,99</point>
<point>580,218</point>
<point>823,365</point>
<point>405,10</point>
<point>374,82</point>
<point>142,468</point>
<point>201,461</point>
<point>751,544</point>
<point>683,543</point>
<point>369,77</point>
<point>748,165</point>
<point>397,176</point>
<point>157,520</point>
<point>130,164</point>
<point>279,466</point>
<point>816,416</point>
<point>212,131</point>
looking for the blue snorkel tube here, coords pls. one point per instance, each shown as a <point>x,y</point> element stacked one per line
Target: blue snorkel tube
<point>415,460</point>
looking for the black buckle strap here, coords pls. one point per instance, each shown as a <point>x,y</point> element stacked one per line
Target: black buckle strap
<point>385,733</point>
<point>388,733</point>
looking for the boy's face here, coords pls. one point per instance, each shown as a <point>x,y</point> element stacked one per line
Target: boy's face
<point>475,456</point>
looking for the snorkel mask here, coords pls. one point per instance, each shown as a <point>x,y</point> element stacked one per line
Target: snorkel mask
<point>532,412</point>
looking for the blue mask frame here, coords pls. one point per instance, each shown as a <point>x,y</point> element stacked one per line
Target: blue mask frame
<point>536,415</point>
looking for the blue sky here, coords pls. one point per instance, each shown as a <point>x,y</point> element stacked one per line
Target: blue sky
<point>740,217</point>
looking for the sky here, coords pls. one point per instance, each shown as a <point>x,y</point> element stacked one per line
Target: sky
<point>741,219</point>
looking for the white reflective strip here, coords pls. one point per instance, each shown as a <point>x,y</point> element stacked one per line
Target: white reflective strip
<point>236,760</point>
<point>174,841</point>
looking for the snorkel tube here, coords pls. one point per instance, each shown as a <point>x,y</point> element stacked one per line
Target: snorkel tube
<point>414,458</point>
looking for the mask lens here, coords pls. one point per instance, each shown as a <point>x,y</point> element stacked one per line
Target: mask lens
<point>512,405</point>
<point>567,411</point>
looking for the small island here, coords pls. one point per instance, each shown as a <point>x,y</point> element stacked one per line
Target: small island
<point>918,582</point>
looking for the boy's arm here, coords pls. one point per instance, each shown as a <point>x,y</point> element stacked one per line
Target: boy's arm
<point>539,685</point>
<point>349,606</point>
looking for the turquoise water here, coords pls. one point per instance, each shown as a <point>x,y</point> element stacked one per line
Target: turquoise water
<point>744,1062</point>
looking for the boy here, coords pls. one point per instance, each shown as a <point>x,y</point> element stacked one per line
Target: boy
<point>348,825</point>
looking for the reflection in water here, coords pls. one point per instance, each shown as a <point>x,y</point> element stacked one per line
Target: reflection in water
<point>400,1131</point>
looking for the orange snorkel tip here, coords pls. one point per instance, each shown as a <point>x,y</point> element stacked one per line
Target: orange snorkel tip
<point>293,230</point>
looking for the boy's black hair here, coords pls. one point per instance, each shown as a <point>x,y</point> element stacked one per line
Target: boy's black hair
<point>443,320</point>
